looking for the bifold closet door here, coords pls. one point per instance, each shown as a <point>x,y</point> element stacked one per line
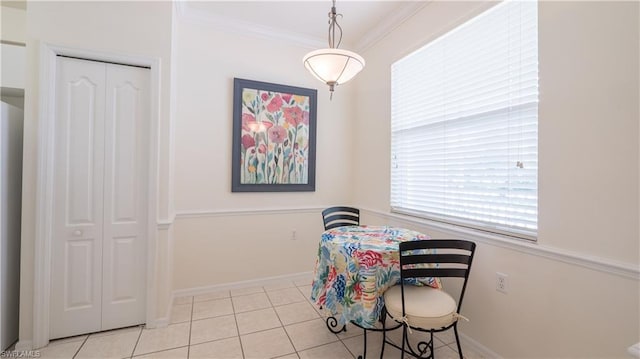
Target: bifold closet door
<point>98,278</point>
<point>125,197</point>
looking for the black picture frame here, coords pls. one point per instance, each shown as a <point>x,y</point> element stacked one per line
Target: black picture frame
<point>274,137</point>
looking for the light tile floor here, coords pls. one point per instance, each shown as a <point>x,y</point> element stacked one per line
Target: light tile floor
<point>274,321</point>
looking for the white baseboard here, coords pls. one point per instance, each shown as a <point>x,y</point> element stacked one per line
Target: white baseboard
<point>162,322</point>
<point>470,343</point>
<point>242,284</point>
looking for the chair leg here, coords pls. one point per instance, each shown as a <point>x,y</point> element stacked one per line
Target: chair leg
<point>383,314</point>
<point>428,346</point>
<point>431,355</point>
<point>405,339</point>
<point>455,330</point>
<point>364,356</point>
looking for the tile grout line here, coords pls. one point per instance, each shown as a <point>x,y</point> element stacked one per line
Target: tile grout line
<point>272,306</point>
<point>209,300</point>
<point>308,300</point>
<point>214,316</point>
<point>345,345</point>
<point>314,308</point>
<point>295,350</point>
<point>160,351</point>
<point>320,317</point>
<point>263,330</point>
<point>235,318</point>
<point>137,341</point>
<point>339,338</point>
<point>190,325</point>
<point>80,347</point>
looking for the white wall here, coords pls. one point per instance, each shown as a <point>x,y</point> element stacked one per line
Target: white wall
<point>13,67</point>
<point>566,298</point>
<point>215,228</point>
<point>589,128</point>
<point>13,27</point>
<point>117,28</point>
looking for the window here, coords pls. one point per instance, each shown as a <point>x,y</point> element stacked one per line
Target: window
<point>464,124</point>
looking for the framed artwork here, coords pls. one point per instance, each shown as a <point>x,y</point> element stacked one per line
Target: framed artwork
<point>274,137</point>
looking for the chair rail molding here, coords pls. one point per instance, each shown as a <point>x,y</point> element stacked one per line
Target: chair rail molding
<point>165,224</point>
<point>180,214</point>
<point>626,270</point>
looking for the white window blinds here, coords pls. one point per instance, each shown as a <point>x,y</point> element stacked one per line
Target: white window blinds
<point>464,124</point>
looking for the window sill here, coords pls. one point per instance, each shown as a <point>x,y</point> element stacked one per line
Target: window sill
<point>622,269</point>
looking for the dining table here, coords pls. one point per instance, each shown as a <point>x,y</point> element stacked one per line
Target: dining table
<point>355,265</point>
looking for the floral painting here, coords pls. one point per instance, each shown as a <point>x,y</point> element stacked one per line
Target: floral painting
<point>274,137</point>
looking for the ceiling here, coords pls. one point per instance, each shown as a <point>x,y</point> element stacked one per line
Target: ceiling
<point>306,21</point>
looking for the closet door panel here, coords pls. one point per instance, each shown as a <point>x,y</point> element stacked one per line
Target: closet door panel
<point>76,283</point>
<point>125,198</point>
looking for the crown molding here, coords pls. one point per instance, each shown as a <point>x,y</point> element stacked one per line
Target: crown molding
<point>389,24</point>
<point>231,25</point>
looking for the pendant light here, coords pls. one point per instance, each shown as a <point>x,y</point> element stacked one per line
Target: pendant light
<point>333,66</point>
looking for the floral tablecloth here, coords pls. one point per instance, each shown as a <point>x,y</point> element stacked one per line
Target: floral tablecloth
<point>355,265</point>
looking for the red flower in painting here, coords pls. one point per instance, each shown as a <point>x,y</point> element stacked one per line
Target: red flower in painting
<point>368,259</point>
<point>293,115</point>
<point>264,96</point>
<point>247,119</point>
<point>275,104</point>
<point>286,97</point>
<point>262,148</point>
<point>248,141</point>
<point>305,117</point>
<point>277,134</point>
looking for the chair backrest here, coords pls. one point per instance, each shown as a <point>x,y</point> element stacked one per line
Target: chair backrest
<point>448,258</point>
<point>340,216</point>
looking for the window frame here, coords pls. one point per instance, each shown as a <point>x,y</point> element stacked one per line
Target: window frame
<point>484,226</point>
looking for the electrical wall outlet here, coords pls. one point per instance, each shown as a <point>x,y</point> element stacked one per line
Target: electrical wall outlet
<point>502,282</point>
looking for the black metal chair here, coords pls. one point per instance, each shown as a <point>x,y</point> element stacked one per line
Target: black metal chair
<point>423,308</point>
<point>340,216</point>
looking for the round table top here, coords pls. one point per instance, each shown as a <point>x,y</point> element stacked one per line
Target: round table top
<point>370,236</point>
